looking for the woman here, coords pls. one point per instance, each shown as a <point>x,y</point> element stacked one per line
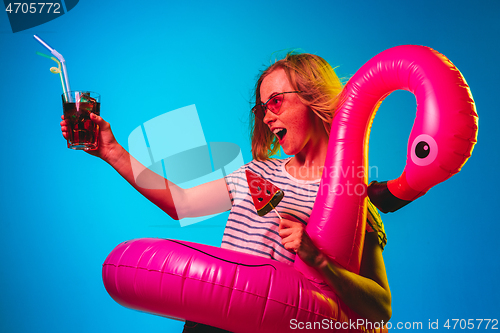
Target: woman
<point>295,102</point>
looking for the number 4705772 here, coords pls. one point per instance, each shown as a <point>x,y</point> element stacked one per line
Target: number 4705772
<point>33,7</point>
<point>471,324</point>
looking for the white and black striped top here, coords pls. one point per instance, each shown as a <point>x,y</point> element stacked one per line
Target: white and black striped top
<point>247,232</point>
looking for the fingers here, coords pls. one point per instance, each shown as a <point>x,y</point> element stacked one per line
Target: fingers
<point>290,247</point>
<point>284,223</point>
<point>288,228</point>
<point>291,234</point>
<point>291,243</point>
<point>285,232</point>
<point>64,127</point>
<point>97,119</point>
<point>103,124</point>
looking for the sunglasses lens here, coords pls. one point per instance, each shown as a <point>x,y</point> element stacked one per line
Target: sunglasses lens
<point>274,104</point>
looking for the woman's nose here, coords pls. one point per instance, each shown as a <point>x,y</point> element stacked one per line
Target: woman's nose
<point>268,117</point>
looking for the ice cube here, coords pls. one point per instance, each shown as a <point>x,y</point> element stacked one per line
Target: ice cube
<point>85,98</point>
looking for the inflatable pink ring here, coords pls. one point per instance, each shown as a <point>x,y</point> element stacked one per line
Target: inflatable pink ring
<point>245,293</point>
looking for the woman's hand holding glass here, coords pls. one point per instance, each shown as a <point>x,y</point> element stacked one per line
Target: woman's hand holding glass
<point>108,146</point>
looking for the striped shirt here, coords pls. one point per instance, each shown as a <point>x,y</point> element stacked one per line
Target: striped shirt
<point>248,232</point>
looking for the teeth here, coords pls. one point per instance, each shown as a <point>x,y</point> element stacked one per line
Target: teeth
<point>279,132</point>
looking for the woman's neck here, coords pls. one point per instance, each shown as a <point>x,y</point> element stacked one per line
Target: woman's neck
<point>309,163</point>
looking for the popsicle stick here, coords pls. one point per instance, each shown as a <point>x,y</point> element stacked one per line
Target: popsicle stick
<point>277,214</point>
<point>276,211</point>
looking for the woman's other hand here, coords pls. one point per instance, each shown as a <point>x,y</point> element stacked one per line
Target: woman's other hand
<point>368,294</point>
<point>295,238</point>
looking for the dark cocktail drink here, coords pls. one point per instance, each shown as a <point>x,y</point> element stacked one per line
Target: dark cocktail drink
<point>82,131</point>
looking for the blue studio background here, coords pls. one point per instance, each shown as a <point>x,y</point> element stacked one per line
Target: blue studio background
<point>63,211</point>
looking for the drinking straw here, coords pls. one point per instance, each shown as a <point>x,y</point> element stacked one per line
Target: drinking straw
<point>77,96</point>
<point>55,70</point>
<point>61,59</point>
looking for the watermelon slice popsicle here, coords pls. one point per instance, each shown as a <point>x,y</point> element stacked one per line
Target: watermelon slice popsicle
<point>265,195</point>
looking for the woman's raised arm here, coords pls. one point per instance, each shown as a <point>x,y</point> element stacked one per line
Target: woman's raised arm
<point>206,199</point>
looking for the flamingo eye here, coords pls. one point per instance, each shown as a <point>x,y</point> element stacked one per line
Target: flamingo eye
<point>424,150</point>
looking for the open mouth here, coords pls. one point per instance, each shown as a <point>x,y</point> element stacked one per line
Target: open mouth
<point>280,133</point>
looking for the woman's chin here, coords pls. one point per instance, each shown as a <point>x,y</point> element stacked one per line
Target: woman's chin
<point>287,150</point>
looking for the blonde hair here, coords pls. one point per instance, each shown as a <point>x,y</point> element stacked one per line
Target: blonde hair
<point>320,90</point>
